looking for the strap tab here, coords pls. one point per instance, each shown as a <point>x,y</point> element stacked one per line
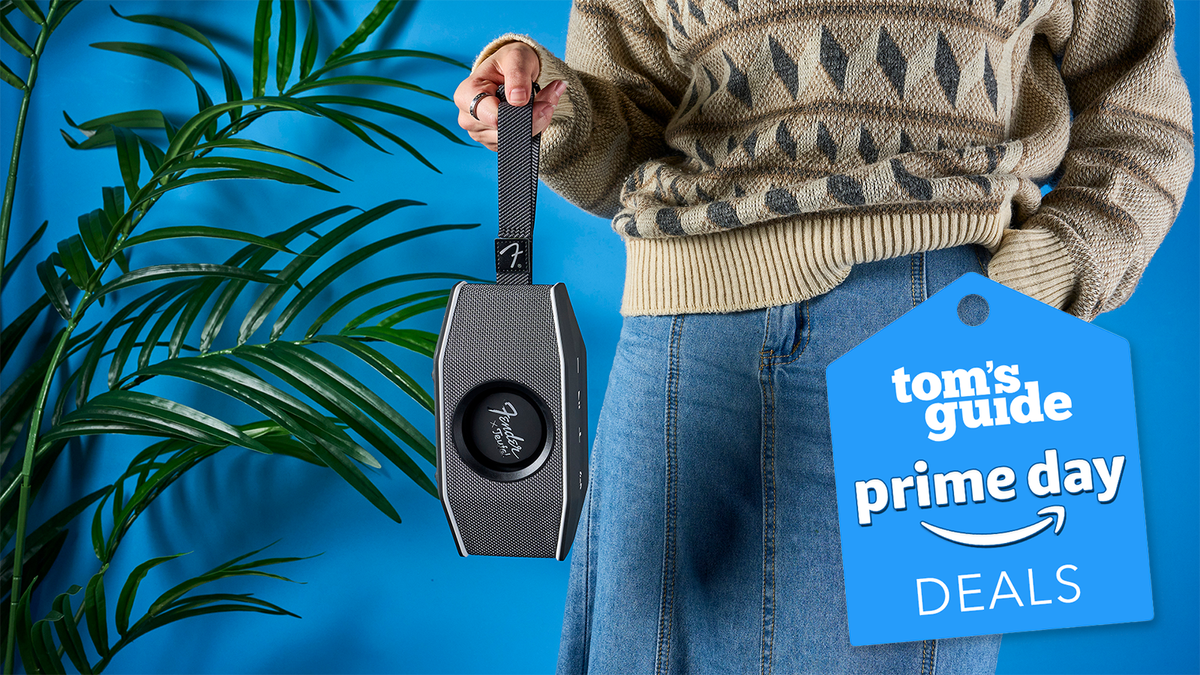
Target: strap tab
<point>513,256</point>
<point>517,164</point>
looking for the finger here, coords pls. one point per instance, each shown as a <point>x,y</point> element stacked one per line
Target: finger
<point>487,137</point>
<point>464,98</point>
<point>470,87</point>
<point>542,114</point>
<point>472,125</point>
<point>551,92</point>
<point>487,111</point>
<point>520,66</point>
<point>545,103</point>
<point>468,123</point>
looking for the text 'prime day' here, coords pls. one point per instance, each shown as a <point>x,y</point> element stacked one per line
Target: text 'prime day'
<point>1044,479</point>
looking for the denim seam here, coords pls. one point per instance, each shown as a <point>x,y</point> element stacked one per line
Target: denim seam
<point>913,274</point>
<point>924,276</point>
<point>928,657</point>
<point>763,351</point>
<point>802,343</point>
<point>667,603</point>
<point>587,581</point>
<point>979,259</point>
<point>912,278</point>
<point>798,345</point>
<point>769,522</point>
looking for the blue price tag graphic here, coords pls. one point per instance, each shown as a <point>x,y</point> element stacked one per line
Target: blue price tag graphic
<point>987,475</point>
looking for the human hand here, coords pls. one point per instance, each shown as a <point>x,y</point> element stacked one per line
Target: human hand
<point>516,66</point>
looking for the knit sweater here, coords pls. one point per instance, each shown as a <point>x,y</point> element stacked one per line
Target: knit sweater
<point>750,152</point>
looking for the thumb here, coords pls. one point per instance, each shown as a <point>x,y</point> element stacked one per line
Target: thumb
<point>520,66</point>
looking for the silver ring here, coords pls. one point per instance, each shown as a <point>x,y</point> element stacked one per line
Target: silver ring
<point>475,102</point>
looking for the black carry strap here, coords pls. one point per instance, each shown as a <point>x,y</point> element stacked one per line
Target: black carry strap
<point>517,174</point>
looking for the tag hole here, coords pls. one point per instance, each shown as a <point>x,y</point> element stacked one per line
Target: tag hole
<point>973,310</point>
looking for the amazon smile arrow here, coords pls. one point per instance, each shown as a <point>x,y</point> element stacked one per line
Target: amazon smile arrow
<point>1054,514</point>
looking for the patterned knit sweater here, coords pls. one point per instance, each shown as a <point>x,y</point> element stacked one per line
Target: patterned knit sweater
<point>751,151</point>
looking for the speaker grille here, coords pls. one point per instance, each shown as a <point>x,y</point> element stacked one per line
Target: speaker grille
<point>498,331</point>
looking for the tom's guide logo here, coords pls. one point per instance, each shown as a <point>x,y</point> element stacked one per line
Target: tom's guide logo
<point>987,475</point>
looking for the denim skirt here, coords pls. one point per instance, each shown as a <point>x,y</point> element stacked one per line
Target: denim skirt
<point>709,540</point>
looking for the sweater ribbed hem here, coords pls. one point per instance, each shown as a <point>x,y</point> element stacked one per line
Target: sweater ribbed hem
<point>785,262</point>
<point>1036,263</point>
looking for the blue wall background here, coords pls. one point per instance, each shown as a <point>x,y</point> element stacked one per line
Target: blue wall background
<point>384,597</point>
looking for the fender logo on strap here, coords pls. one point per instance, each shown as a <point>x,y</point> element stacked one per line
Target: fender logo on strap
<point>512,255</point>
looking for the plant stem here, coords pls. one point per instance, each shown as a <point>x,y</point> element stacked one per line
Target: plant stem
<point>10,187</point>
<point>10,192</point>
<point>35,423</point>
<point>133,217</point>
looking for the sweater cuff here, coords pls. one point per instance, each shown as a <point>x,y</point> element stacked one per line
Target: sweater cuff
<point>1036,263</point>
<point>551,68</point>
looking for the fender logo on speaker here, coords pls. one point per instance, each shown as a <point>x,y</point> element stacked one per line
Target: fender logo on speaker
<point>502,430</point>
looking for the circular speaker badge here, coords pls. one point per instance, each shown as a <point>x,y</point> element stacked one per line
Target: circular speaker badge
<point>503,430</point>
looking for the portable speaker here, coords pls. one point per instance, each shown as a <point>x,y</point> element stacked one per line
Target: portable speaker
<point>510,379</point>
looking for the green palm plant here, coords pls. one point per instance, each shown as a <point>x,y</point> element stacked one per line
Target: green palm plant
<point>119,327</point>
